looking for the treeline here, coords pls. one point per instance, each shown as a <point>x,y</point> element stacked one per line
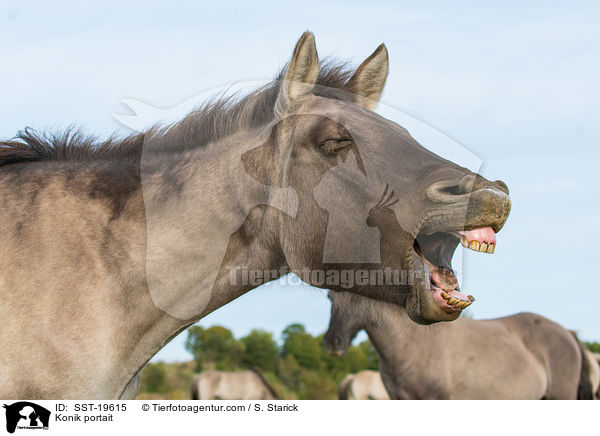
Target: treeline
<point>298,368</point>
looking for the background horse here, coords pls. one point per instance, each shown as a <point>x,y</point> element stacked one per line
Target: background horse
<point>524,356</point>
<point>240,385</point>
<point>363,385</point>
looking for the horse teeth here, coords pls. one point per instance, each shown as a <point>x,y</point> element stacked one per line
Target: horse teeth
<point>457,302</point>
<point>481,247</point>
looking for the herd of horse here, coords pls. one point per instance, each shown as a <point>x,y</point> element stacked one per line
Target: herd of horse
<point>112,248</point>
<point>523,356</point>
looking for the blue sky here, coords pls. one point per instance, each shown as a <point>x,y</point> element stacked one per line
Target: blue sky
<point>515,83</point>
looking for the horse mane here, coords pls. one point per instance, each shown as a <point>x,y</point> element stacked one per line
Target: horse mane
<point>213,120</point>
<point>71,145</point>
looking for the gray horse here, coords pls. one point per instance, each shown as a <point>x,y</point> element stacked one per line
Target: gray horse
<point>110,249</point>
<point>524,356</point>
<point>363,385</point>
<point>239,385</point>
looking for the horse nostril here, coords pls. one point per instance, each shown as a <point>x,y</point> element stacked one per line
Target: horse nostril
<point>447,191</point>
<point>502,186</point>
<point>337,341</point>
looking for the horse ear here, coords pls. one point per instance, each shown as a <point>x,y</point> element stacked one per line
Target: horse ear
<point>369,79</point>
<point>300,74</point>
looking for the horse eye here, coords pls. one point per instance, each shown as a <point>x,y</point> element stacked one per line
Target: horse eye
<point>335,145</point>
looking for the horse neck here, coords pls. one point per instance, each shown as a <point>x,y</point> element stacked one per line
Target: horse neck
<point>393,330</point>
<point>205,217</point>
<point>200,180</point>
<point>198,225</point>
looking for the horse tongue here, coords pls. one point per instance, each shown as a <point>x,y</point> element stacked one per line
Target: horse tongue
<point>443,278</point>
<point>446,281</point>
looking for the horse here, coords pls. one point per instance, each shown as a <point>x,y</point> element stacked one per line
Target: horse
<point>523,356</point>
<point>363,385</point>
<point>595,369</point>
<point>240,385</point>
<point>124,243</point>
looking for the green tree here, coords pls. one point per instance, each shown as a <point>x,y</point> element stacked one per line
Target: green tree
<point>292,329</point>
<point>336,367</point>
<point>594,347</point>
<point>305,348</point>
<point>316,385</point>
<point>356,359</point>
<point>154,378</point>
<point>260,351</point>
<point>215,344</point>
<point>290,372</point>
<point>371,354</point>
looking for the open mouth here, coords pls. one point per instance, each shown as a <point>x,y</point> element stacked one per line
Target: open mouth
<point>435,251</point>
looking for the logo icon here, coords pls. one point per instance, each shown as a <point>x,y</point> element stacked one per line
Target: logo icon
<point>26,415</point>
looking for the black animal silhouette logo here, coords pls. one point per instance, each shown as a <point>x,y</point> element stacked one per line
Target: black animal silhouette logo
<point>26,415</point>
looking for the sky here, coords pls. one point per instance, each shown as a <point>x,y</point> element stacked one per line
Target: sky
<point>515,84</point>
